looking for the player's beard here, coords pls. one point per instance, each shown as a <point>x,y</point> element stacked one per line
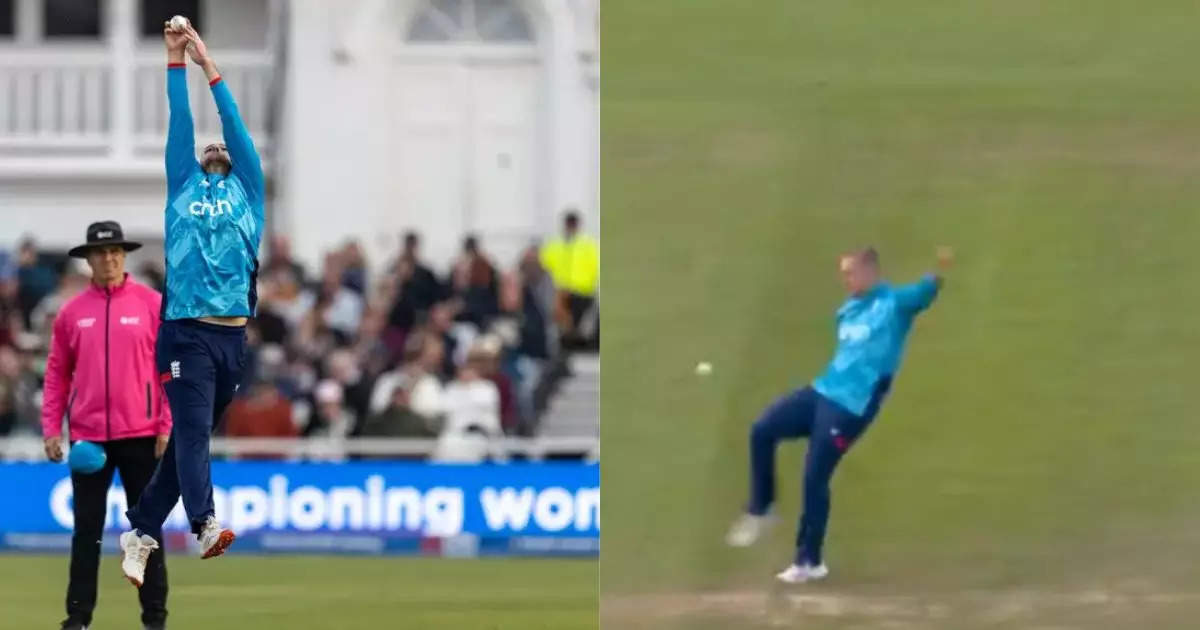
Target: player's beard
<point>216,166</point>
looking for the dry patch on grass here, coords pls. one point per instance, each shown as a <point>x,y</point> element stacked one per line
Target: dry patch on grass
<point>780,607</point>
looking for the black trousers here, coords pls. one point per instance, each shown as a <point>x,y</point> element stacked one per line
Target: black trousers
<point>578,306</point>
<point>134,459</point>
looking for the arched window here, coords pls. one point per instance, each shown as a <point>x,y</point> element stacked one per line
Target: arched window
<point>471,21</point>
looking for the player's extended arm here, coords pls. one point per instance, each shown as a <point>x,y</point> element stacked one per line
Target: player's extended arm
<point>918,296</point>
<point>246,163</point>
<point>181,134</point>
<point>59,367</point>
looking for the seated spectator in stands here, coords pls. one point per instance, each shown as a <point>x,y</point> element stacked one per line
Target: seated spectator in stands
<point>471,399</point>
<point>20,392</point>
<point>261,412</point>
<point>371,350</point>
<point>11,324</point>
<point>342,368</point>
<point>74,280</point>
<point>354,268</point>
<point>523,371</point>
<point>539,333</point>
<point>330,419</point>
<point>286,297</point>
<point>441,323</point>
<point>474,282</point>
<point>279,257</point>
<point>151,274</point>
<point>398,419</point>
<point>422,361</point>
<point>488,350</point>
<point>10,373</point>
<point>271,326</point>
<point>418,288</point>
<point>272,366</point>
<point>339,306</point>
<point>36,278</point>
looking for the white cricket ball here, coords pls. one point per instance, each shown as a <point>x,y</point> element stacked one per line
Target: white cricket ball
<point>178,23</point>
<point>703,368</point>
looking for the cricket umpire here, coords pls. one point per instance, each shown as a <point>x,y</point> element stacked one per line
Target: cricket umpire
<point>101,377</point>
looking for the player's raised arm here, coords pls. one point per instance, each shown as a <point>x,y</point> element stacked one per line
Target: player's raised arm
<point>181,134</point>
<point>918,296</point>
<point>246,163</point>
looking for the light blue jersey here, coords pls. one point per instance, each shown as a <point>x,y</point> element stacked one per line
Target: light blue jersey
<point>214,223</point>
<point>871,330</point>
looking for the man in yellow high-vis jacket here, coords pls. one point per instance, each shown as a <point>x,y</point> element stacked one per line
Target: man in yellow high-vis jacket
<point>573,261</point>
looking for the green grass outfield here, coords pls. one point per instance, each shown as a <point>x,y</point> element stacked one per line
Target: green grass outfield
<point>1038,463</point>
<point>249,592</point>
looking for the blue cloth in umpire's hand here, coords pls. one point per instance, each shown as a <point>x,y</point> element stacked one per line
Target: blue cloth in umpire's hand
<point>86,457</point>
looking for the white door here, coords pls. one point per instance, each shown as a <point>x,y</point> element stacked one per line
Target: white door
<point>431,182</point>
<point>467,123</point>
<point>502,206</point>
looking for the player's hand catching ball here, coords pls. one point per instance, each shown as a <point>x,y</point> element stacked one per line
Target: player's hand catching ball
<point>196,48</point>
<point>945,257</point>
<point>54,449</point>
<point>176,38</point>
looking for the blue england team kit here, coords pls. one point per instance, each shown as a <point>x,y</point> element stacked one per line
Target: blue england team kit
<point>839,405</point>
<point>214,224</point>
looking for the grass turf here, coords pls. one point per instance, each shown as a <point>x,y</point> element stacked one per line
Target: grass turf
<point>1039,438</point>
<point>319,592</point>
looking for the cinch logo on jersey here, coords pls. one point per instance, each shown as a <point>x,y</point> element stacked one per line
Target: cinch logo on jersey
<point>854,332</point>
<point>435,511</point>
<point>201,208</point>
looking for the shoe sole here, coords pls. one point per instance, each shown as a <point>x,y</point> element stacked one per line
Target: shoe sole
<point>132,580</point>
<point>805,580</point>
<point>224,540</point>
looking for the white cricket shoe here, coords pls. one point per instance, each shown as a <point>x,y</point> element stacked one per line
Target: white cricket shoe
<point>748,528</point>
<point>214,539</point>
<point>799,574</point>
<point>137,551</point>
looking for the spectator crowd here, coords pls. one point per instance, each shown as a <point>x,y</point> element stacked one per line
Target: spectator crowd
<point>464,357</point>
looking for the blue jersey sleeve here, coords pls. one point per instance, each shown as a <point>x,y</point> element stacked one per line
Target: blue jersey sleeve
<point>916,297</point>
<point>181,134</point>
<point>246,164</point>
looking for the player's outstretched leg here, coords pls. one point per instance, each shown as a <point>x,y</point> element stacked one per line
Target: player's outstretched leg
<point>834,430</point>
<point>147,516</point>
<point>789,417</point>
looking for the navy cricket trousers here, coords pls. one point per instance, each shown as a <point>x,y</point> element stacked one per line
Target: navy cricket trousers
<point>200,366</point>
<point>831,430</point>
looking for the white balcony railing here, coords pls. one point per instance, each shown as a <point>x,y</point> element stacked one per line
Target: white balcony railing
<point>81,102</point>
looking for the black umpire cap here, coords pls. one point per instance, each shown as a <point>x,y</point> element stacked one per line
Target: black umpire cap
<point>102,234</point>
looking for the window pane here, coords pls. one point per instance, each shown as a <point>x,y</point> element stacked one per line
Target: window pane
<point>452,10</point>
<point>155,12</point>
<point>240,24</point>
<point>426,29</point>
<point>8,17</point>
<point>501,20</point>
<point>440,21</point>
<point>72,18</point>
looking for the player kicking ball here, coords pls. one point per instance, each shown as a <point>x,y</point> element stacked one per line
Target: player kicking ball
<point>838,407</point>
<point>214,222</point>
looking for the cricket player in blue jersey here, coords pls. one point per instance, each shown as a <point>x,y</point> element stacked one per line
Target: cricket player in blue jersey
<point>214,222</point>
<point>838,407</point>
